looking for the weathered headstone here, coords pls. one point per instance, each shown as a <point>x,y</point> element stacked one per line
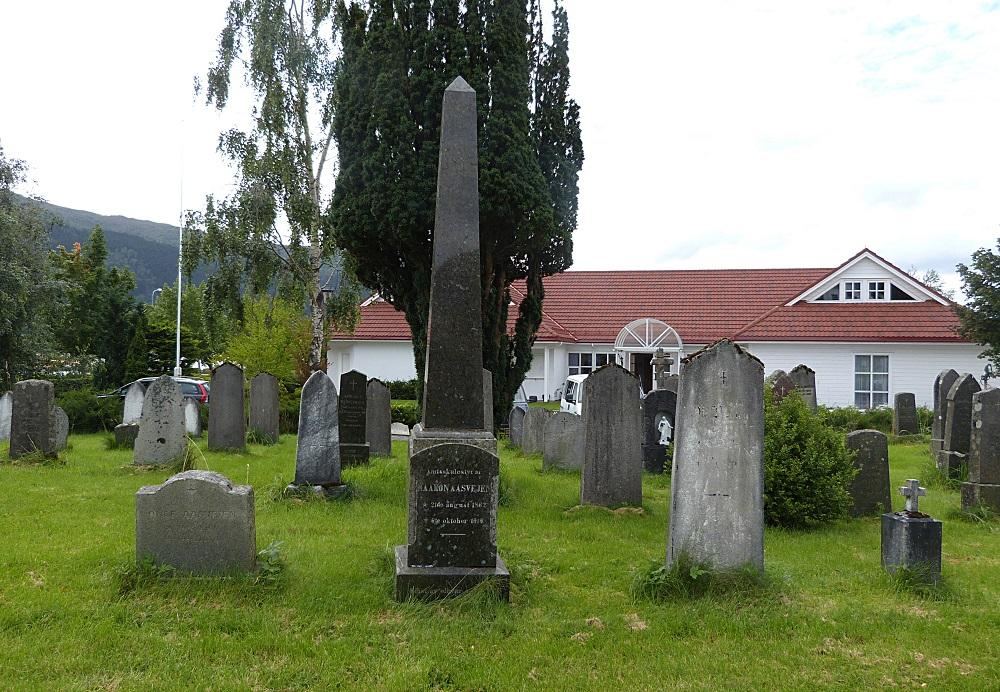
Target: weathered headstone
<point>911,540</point>
<point>904,414</point>
<point>717,505</point>
<point>454,469</point>
<point>870,487</point>
<point>942,385</point>
<point>958,426</point>
<point>401,429</point>
<point>612,438</point>
<point>659,411</point>
<point>161,438</point>
<point>227,428</point>
<point>782,385</point>
<point>132,408</point>
<point>515,425</point>
<point>317,453</point>
<point>487,400</point>
<point>264,407</point>
<point>353,419</point>
<point>60,428</point>
<point>804,378</point>
<point>563,441</point>
<point>6,405</point>
<point>31,419</point>
<point>125,435</point>
<point>533,430</point>
<point>197,522</point>
<point>983,486</point>
<point>378,419</point>
<point>192,417</point>
<point>670,383</point>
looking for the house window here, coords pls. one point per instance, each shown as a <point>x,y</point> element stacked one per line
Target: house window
<point>876,290</point>
<point>586,363</point>
<point>852,290</point>
<point>896,293</point>
<point>871,381</point>
<point>832,294</point>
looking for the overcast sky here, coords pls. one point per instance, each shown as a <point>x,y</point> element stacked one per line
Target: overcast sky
<point>717,134</point>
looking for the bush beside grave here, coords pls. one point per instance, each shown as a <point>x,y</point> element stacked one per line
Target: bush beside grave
<point>807,468</point>
<point>404,411</point>
<point>288,410</point>
<point>87,413</point>
<point>403,389</point>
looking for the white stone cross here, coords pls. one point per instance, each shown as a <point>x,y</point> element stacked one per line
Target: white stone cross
<point>912,492</point>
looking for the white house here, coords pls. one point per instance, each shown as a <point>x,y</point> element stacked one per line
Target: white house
<point>868,329</point>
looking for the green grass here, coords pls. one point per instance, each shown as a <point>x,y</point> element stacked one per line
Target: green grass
<point>76,613</point>
<point>550,405</point>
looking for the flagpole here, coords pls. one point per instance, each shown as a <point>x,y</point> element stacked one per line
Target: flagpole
<point>180,248</point>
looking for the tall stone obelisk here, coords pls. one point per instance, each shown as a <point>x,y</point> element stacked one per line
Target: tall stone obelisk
<point>454,468</point>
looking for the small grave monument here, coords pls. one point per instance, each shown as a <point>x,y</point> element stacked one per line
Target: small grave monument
<point>125,435</point>
<point>717,505</point>
<point>353,419</point>
<point>60,428</point>
<point>904,414</point>
<point>227,427</point>
<point>804,378</point>
<point>264,407</point>
<point>132,408</point>
<point>563,441</point>
<point>6,405</point>
<point>911,540</point>
<point>515,425</point>
<point>983,486</point>
<point>533,430</point>
<point>197,522</point>
<point>612,437</point>
<point>942,385</point>
<point>192,418</point>
<point>161,439</point>
<point>659,411</point>
<point>781,384</point>
<point>661,363</point>
<point>870,487</point>
<point>958,426</point>
<point>31,419</point>
<point>378,419</point>
<point>317,453</point>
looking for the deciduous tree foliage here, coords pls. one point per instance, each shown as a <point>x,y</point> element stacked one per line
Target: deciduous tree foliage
<point>396,61</point>
<point>980,316</point>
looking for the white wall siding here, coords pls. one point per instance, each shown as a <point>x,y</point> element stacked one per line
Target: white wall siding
<point>912,367</point>
<point>385,360</point>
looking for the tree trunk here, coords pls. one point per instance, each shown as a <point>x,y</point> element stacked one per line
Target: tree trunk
<point>317,309</point>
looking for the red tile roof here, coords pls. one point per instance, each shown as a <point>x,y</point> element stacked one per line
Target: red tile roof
<point>703,306</point>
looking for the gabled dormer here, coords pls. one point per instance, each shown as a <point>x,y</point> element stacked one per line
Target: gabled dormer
<point>867,278</point>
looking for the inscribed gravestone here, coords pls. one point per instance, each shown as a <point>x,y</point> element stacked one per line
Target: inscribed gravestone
<point>60,428</point>
<point>6,404</point>
<point>125,435</point>
<point>264,406</point>
<point>31,419</point>
<point>192,417</point>
<point>378,419</point>
<point>612,457</point>
<point>515,425</point>
<point>870,487</point>
<point>782,385</point>
<point>659,411</point>
<point>983,486</point>
<point>563,441</point>
<point>161,438</point>
<point>132,408</point>
<point>487,400</point>
<point>353,418</point>
<point>958,425</point>
<point>197,522</point>
<point>804,378</point>
<point>942,385</point>
<point>317,452</point>
<point>904,414</point>
<point>717,503</point>
<point>226,418</point>
<point>533,430</point>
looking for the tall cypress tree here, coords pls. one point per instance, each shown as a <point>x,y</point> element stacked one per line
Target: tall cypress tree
<point>397,58</point>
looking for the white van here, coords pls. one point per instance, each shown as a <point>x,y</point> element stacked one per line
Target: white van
<point>572,396</point>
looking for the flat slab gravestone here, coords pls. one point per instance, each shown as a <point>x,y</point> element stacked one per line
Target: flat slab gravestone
<point>659,412</point>
<point>192,417</point>
<point>515,425</point>
<point>904,414</point>
<point>125,435</point>
<point>378,419</point>
<point>400,429</point>
<point>60,428</point>
<point>958,425</point>
<point>161,438</point>
<point>317,452</point>
<point>911,540</point>
<point>6,406</point>
<point>264,407</point>
<point>870,487</point>
<point>227,426</point>
<point>533,430</point>
<point>612,437</point>
<point>132,407</point>
<point>983,486</point>
<point>31,422</point>
<point>353,419</point>
<point>197,522</point>
<point>717,488</point>
<point>804,378</point>
<point>563,441</point>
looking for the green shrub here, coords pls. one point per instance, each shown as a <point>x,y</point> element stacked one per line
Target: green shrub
<point>807,468</point>
<point>403,389</point>
<point>87,413</point>
<point>63,384</point>
<point>404,412</point>
<point>288,410</point>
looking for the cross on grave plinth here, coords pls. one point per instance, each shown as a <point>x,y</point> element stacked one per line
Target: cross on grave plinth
<point>912,492</point>
<point>661,363</point>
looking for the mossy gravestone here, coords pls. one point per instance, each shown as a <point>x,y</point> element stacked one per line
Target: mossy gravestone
<point>197,522</point>
<point>264,407</point>
<point>378,419</point>
<point>515,425</point>
<point>563,441</point>
<point>227,427</point>
<point>904,414</point>
<point>612,437</point>
<point>942,385</point>
<point>958,426</point>
<point>983,486</point>
<point>870,487</point>
<point>60,428</point>
<point>161,439</point>
<point>317,452</point>
<point>31,421</point>
<point>804,378</point>
<point>533,430</point>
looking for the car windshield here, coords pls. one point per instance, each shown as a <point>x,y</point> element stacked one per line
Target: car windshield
<point>570,395</point>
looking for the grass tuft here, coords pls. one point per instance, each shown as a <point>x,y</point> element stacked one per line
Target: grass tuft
<point>134,576</point>
<point>979,514</point>
<point>689,579</point>
<point>915,581</point>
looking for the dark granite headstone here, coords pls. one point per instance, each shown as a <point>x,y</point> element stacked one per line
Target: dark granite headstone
<point>904,414</point>
<point>197,522</point>
<point>378,419</point>
<point>264,405</point>
<point>804,378</point>
<point>353,419</point>
<point>227,428</point>
<point>870,487</point>
<point>161,438</point>
<point>983,486</point>
<point>125,435</point>
<point>942,385</point>
<point>317,452</point>
<point>515,424</point>
<point>612,439</point>
<point>717,505</point>
<point>563,441</point>
<point>533,430</point>
<point>659,411</point>
<point>31,420</point>
<point>958,425</point>
<point>911,540</point>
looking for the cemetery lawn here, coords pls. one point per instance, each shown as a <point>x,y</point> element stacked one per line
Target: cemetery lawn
<point>72,614</point>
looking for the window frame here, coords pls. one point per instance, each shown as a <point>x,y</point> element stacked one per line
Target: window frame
<point>587,361</point>
<point>885,290</point>
<point>870,392</point>
<point>847,292</point>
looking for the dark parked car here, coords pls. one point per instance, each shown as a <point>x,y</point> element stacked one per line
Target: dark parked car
<point>190,388</point>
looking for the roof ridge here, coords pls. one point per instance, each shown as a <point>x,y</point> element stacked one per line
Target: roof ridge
<point>545,315</point>
<point>754,322</point>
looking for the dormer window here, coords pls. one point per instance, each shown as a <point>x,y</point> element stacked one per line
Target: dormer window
<point>832,294</point>
<point>876,290</point>
<point>852,290</point>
